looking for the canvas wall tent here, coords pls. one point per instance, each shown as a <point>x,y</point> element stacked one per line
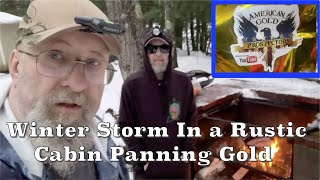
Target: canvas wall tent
<point>8,27</point>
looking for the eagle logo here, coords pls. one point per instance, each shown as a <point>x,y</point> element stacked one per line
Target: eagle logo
<point>264,33</point>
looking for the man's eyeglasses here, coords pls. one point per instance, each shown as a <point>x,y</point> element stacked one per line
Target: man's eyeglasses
<point>151,49</point>
<point>58,64</point>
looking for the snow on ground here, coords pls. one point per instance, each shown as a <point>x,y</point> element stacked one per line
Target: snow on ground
<point>112,92</point>
<point>111,99</point>
<point>196,61</point>
<point>199,61</point>
<point>289,86</point>
<point>6,18</point>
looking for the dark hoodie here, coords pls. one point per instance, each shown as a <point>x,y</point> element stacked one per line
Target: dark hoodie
<point>146,101</point>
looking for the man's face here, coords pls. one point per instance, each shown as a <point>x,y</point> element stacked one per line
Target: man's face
<point>70,101</point>
<point>158,60</point>
<point>72,95</point>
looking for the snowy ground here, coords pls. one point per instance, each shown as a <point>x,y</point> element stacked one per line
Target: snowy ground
<point>289,86</point>
<point>6,18</point>
<point>196,61</point>
<point>199,61</point>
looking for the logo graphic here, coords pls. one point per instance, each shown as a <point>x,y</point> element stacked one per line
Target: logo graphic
<point>174,111</point>
<point>251,59</point>
<point>264,33</point>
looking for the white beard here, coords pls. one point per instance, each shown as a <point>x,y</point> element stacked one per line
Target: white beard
<point>44,116</point>
<point>159,68</point>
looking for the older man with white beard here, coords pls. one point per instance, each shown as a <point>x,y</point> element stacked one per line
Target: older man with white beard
<point>158,96</point>
<point>58,71</point>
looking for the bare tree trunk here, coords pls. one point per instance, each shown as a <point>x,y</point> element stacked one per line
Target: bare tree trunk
<point>207,40</point>
<point>150,24</point>
<point>169,24</point>
<point>192,31</point>
<point>208,45</point>
<point>187,39</point>
<point>128,13</point>
<point>198,33</point>
<point>178,28</point>
<point>203,36</point>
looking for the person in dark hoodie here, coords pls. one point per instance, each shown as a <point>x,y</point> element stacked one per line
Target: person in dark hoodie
<point>158,96</point>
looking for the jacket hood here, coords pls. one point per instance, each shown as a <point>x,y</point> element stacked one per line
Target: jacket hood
<point>149,35</point>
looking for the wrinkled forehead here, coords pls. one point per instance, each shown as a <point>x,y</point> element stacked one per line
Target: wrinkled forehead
<point>72,39</point>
